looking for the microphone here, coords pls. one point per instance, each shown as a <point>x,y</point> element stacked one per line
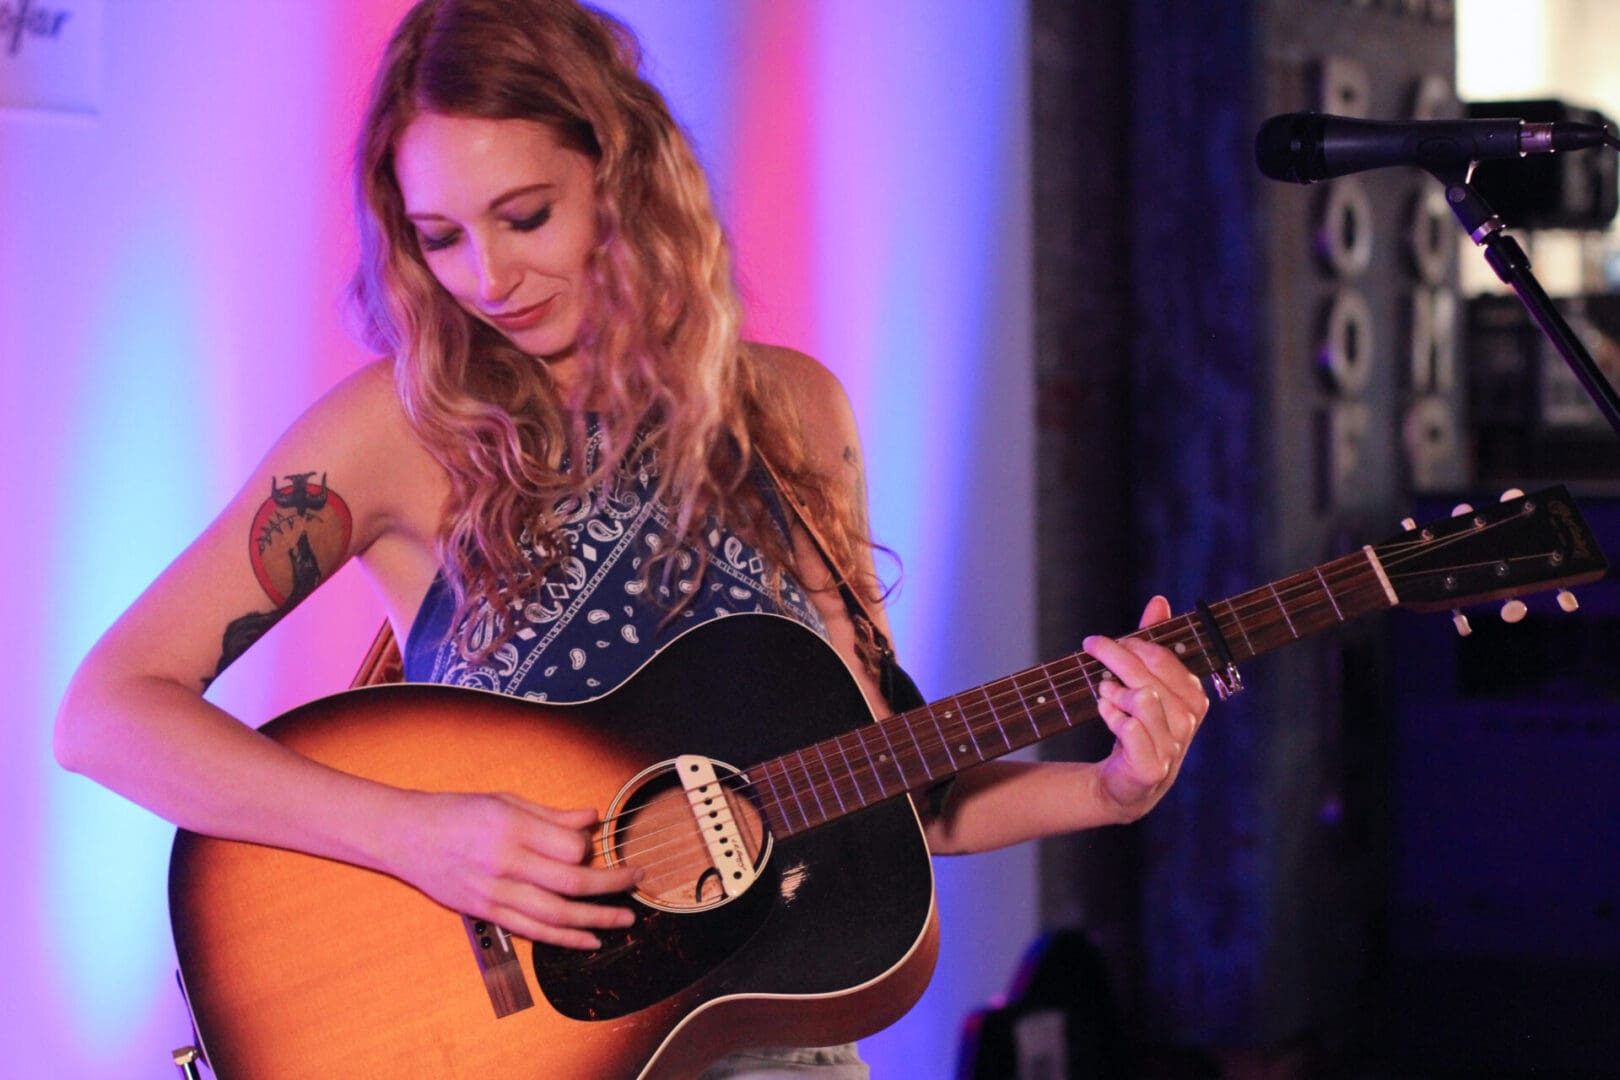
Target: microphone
<point>1305,147</point>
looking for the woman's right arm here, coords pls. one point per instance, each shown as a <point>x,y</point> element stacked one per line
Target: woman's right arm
<point>134,717</point>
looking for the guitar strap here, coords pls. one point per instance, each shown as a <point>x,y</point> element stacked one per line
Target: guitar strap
<point>871,644</point>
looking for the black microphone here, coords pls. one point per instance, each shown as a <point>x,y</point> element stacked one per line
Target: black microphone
<point>1306,147</point>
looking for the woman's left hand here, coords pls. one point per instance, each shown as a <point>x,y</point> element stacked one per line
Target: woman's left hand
<point>1154,709</point>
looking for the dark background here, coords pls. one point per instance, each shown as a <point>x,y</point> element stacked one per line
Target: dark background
<point>1395,854</point>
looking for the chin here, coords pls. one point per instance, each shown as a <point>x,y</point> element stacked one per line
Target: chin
<point>543,342</point>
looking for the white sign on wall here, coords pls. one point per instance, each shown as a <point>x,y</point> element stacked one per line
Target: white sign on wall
<point>50,54</point>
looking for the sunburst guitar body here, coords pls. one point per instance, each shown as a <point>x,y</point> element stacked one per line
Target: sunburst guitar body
<point>297,966</point>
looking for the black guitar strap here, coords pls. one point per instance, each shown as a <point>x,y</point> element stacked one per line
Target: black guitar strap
<point>871,644</point>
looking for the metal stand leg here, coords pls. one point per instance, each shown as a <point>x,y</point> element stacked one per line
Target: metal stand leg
<point>185,1059</point>
<point>188,1058</point>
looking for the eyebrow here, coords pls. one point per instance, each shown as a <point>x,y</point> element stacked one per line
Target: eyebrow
<point>494,204</point>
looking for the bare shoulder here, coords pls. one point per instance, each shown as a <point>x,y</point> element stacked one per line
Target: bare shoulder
<point>819,402</point>
<point>361,423</point>
<point>365,403</point>
<point>804,377</point>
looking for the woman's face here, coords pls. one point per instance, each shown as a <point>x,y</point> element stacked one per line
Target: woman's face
<point>505,217</point>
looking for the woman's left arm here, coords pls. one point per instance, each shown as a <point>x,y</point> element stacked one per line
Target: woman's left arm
<point>1154,708</point>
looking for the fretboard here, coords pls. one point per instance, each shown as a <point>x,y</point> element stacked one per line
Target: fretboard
<point>914,750</point>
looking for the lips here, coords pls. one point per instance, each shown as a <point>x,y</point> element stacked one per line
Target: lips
<point>523,318</point>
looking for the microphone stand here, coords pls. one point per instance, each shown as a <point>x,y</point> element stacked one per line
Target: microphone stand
<point>1512,266</point>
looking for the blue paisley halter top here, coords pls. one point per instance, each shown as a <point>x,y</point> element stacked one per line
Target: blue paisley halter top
<point>595,619</point>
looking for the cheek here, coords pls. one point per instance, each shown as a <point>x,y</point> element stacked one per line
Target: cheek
<point>449,272</point>
<point>575,244</point>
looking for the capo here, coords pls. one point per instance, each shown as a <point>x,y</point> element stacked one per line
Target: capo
<point>1228,680</point>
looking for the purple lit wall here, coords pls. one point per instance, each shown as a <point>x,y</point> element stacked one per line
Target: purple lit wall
<point>171,271</point>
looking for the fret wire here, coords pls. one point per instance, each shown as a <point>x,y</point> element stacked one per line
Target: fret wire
<point>1023,703</point>
<point>1071,685</point>
<point>1039,708</point>
<point>1081,664</point>
<point>794,791</point>
<point>968,720</point>
<point>946,743</point>
<point>1243,628</point>
<point>781,810</point>
<point>911,729</point>
<point>877,780</point>
<point>831,780</point>
<point>1198,639</point>
<point>1329,593</point>
<point>1284,609</point>
<point>905,785</point>
<point>1046,670</point>
<point>811,783</point>
<point>995,718</point>
<point>849,770</point>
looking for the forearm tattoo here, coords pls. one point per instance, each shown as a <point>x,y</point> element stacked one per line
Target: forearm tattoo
<point>299,534</point>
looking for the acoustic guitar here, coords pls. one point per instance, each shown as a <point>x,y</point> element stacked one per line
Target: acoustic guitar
<point>789,897</point>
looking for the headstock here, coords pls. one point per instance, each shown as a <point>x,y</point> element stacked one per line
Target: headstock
<point>1525,544</point>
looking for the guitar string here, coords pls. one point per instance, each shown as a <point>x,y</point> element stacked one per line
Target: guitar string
<point>1348,569</point>
<point>858,770</point>
<point>796,778</point>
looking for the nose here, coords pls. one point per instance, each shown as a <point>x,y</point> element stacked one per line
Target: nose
<point>496,273</point>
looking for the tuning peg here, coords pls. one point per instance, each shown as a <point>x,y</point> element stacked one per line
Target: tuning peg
<point>1462,508</point>
<point>1460,621</point>
<point>1567,601</point>
<point>1510,494</point>
<point>1513,611</point>
<point>1409,524</point>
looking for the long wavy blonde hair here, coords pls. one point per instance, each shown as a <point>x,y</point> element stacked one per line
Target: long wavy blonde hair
<point>660,332</point>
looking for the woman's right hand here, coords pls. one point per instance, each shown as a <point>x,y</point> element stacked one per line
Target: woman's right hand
<point>515,863</point>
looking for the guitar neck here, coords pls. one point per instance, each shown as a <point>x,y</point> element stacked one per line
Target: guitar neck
<point>914,750</point>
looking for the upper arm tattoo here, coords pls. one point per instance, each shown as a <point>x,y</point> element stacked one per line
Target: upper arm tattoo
<point>298,536</point>
<point>854,460</point>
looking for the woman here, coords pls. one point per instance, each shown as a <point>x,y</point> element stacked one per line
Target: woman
<point>567,425</point>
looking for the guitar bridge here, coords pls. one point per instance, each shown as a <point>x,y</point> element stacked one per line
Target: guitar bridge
<point>722,838</point>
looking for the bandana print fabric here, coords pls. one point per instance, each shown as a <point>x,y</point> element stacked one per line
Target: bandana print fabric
<point>595,619</point>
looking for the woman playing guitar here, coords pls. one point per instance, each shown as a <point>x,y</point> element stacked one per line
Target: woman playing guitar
<point>565,461</point>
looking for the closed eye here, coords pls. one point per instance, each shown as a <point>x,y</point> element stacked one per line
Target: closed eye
<point>534,220</point>
<point>437,243</point>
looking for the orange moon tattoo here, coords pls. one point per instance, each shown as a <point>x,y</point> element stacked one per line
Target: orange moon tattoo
<point>298,522</point>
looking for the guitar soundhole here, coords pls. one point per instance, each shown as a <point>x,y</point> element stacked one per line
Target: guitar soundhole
<point>656,824</point>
